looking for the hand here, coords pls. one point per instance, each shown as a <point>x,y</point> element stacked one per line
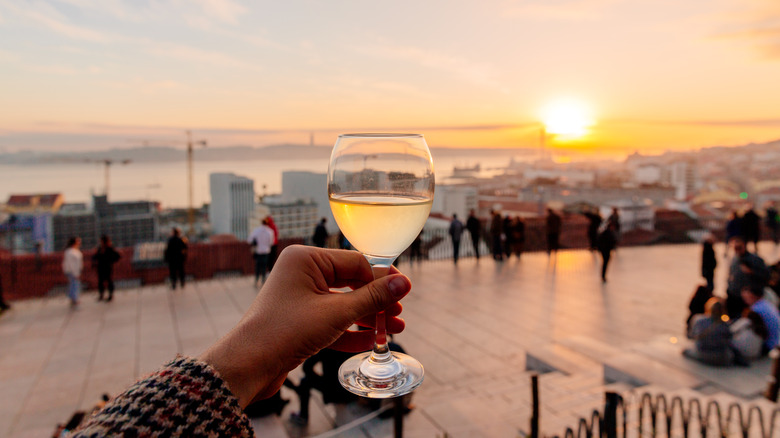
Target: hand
<point>295,315</point>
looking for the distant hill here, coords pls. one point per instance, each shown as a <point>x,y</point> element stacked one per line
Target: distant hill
<point>160,154</point>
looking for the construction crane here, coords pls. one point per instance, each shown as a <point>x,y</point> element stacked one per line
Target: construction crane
<point>191,209</point>
<point>107,162</point>
<point>190,157</point>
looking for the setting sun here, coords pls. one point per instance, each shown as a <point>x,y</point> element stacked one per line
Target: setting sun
<point>567,117</point>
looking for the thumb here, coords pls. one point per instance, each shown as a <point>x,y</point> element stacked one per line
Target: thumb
<point>378,295</point>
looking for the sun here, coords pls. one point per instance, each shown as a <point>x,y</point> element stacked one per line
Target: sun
<point>567,117</point>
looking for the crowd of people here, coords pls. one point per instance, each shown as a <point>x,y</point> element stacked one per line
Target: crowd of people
<point>506,235</point>
<point>743,325</point>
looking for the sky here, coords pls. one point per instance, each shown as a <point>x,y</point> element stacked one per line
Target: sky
<point>656,74</point>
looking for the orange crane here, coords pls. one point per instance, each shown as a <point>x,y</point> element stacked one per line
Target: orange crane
<point>190,153</point>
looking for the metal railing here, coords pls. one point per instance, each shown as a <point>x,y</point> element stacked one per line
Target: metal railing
<point>648,415</point>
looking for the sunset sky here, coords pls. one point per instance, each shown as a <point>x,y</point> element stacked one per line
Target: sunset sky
<point>656,74</point>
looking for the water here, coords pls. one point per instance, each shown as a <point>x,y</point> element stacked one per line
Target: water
<point>167,182</point>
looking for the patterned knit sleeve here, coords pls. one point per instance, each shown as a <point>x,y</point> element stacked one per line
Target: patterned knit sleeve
<point>185,398</point>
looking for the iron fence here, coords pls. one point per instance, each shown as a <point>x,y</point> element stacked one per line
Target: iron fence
<point>646,415</point>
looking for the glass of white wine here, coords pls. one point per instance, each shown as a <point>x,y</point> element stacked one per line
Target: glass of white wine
<point>380,188</point>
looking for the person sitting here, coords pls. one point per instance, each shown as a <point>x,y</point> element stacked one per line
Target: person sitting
<point>748,335</point>
<point>294,316</point>
<point>753,296</point>
<point>712,336</point>
<point>701,295</point>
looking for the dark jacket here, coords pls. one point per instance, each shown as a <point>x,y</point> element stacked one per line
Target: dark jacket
<point>606,241</point>
<point>751,225</point>
<point>708,260</point>
<point>320,235</point>
<point>105,258</point>
<point>176,250</point>
<point>473,225</point>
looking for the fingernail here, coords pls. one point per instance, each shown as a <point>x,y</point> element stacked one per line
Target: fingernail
<point>398,286</point>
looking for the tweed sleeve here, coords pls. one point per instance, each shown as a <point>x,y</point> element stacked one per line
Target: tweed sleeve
<point>185,398</point>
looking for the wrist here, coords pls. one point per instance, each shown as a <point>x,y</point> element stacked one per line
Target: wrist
<point>242,366</point>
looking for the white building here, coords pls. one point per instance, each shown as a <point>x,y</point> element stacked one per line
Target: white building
<point>311,188</point>
<point>232,203</point>
<point>293,219</point>
<point>647,174</point>
<point>681,175</point>
<point>449,200</point>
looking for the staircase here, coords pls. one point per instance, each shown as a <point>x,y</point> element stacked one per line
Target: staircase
<point>577,371</point>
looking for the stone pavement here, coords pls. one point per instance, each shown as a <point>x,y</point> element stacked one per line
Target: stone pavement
<point>473,326</point>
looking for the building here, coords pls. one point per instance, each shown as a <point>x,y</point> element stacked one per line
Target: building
<point>127,223</point>
<point>308,188</point>
<point>34,203</point>
<point>293,219</point>
<point>681,175</point>
<point>232,203</point>
<point>449,200</point>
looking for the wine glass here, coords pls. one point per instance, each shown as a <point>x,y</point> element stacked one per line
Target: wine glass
<point>380,188</point>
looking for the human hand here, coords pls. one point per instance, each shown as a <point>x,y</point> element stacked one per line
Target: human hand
<point>295,315</point>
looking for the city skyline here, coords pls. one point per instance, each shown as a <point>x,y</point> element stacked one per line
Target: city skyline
<point>80,75</point>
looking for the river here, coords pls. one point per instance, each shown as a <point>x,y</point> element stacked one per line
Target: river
<point>167,182</point>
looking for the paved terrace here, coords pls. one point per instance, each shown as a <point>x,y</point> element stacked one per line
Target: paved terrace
<point>474,326</point>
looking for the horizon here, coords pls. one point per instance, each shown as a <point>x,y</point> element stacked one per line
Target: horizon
<point>657,76</point>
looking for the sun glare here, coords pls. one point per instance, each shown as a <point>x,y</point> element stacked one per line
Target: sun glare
<point>567,117</point>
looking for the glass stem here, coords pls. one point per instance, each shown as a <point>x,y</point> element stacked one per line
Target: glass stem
<point>381,352</point>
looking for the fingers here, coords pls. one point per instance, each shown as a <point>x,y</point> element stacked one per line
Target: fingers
<point>354,342</point>
<point>392,324</point>
<point>375,296</point>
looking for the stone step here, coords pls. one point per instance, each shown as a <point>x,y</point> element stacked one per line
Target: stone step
<point>556,357</point>
<point>639,370</point>
<point>591,348</point>
<point>743,382</point>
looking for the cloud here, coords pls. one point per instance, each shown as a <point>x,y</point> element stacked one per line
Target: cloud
<point>227,11</point>
<point>195,54</point>
<point>478,73</point>
<point>713,123</point>
<point>758,23</point>
<point>564,10</point>
<point>50,18</point>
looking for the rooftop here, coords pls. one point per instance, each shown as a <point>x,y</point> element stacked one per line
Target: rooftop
<point>476,327</point>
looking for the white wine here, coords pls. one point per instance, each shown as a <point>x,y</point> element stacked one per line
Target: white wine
<point>381,226</point>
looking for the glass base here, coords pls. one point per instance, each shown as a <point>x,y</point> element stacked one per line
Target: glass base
<point>398,375</point>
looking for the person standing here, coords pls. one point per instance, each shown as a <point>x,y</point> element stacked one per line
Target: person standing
<point>320,237</point>
<point>474,227</point>
<point>261,239</point>
<point>708,262</point>
<point>746,270</point>
<point>607,241</point>
<point>751,228</point>
<point>104,260</point>
<point>553,225</point>
<point>175,256</point>
<point>72,264</point>
<point>594,223</point>
<point>509,236</point>
<point>518,229</point>
<point>773,223</point>
<point>269,221</point>
<point>416,248</point>
<point>496,225</point>
<point>733,229</point>
<point>456,231</point>
<point>3,304</point>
